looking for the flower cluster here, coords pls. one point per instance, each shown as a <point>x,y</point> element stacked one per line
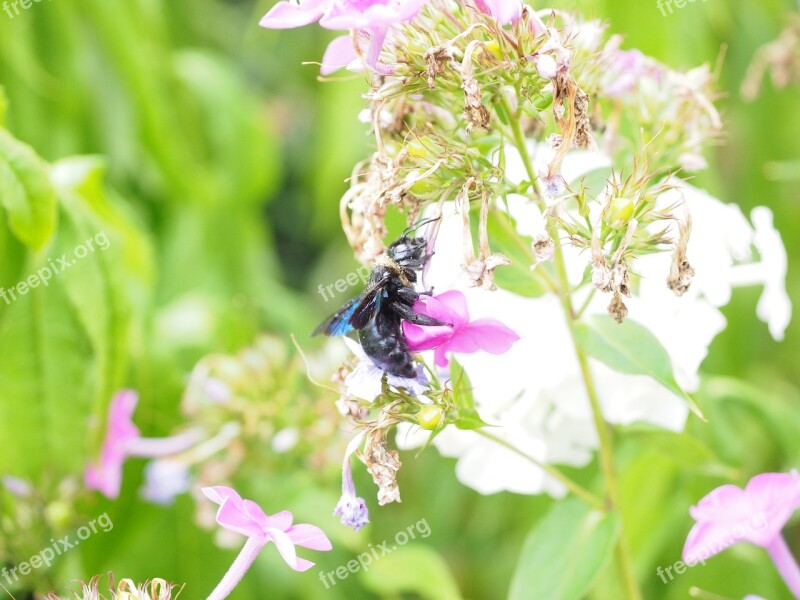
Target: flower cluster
<point>552,162</point>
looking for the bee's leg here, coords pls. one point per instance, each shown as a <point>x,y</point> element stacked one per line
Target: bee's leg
<point>407,314</point>
<point>407,295</point>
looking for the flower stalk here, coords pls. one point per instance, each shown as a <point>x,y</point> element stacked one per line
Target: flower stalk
<point>606,451</point>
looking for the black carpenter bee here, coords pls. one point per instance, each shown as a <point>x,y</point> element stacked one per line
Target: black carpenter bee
<point>388,300</point>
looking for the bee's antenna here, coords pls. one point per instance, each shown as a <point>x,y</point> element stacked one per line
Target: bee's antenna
<point>419,224</point>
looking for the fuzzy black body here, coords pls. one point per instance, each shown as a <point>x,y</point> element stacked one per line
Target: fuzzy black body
<point>388,300</point>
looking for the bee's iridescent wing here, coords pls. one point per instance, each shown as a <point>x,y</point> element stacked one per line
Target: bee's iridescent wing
<point>355,314</point>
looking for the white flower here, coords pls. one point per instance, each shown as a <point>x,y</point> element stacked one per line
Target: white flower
<point>534,396</point>
<point>285,439</point>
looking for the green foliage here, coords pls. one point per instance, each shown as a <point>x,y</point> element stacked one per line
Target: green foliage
<point>629,348</point>
<point>564,553</point>
<point>225,162</point>
<point>26,193</point>
<point>416,568</point>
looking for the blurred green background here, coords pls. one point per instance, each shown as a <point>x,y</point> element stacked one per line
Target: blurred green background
<point>227,158</point>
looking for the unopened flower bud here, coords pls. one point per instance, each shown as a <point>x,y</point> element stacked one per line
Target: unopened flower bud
<point>546,65</point>
<point>620,210</point>
<point>430,416</point>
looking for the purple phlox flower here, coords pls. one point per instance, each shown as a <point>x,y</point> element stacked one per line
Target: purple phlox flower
<point>756,514</point>
<point>351,508</point>
<point>627,68</point>
<point>365,381</point>
<point>123,440</point>
<point>504,11</point>
<point>247,517</point>
<point>465,336</point>
<point>367,18</point>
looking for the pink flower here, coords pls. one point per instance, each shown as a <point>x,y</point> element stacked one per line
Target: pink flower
<point>123,440</point>
<point>757,514</point>
<point>247,518</point>
<point>504,11</point>
<point>627,69</point>
<point>464,336</point>
<point>368,18</point>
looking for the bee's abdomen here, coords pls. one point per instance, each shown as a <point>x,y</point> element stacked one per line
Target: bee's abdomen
<point>383,341</point>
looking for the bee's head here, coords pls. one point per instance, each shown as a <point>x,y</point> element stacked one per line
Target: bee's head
<point>408,252</point>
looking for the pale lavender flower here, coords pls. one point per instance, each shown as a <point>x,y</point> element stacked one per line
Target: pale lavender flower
<point>351,508</point>
<point>366,380</point>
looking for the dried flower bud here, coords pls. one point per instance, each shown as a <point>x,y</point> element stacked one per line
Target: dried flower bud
<point>383,464</point>
<point>680,271</point>
<point>543,247</point>
<point>437,60</point>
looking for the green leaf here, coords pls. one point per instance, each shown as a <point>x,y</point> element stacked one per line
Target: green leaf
<point>516,277</point>
<point>680,447</point>
<point>26,192</point>
<point>414,568</point>
<point>64,337</point>
<point>632,349</point>
<point>467,415</point>
<point>564,553</point>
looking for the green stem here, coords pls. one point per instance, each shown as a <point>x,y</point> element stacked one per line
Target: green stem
<point>571,485</point>
<point>606,450</point>
<point>603,432</point>
<point>519,142</point>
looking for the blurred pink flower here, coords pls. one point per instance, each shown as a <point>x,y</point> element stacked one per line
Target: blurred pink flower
<point>370,18</point>
<point>505,11</point>
<point>756,514</point>
<point>247,517</point>
<point>465,336</point>
<point>106,474</point>
<point>123,440</point>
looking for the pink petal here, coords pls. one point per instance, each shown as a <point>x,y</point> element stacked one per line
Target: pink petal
<point>120,415</point>
<point>425,338</point>
<point>489,335</point>
<point>105,475</point>
<point>505,11</point>
<point>723,498</point>
<point>287,15</point>
<point>774,497</point>
<point>233,511</point>
<point>339,54</point>
<point>218,494</point>
<point>282,520</point>
<point>376,38</point>
<point>231,516</point>
<point>704,541</point>
<point>449,307</point>
<point>440,356</point>
<point>309,536</point>
<point>288,552</point>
